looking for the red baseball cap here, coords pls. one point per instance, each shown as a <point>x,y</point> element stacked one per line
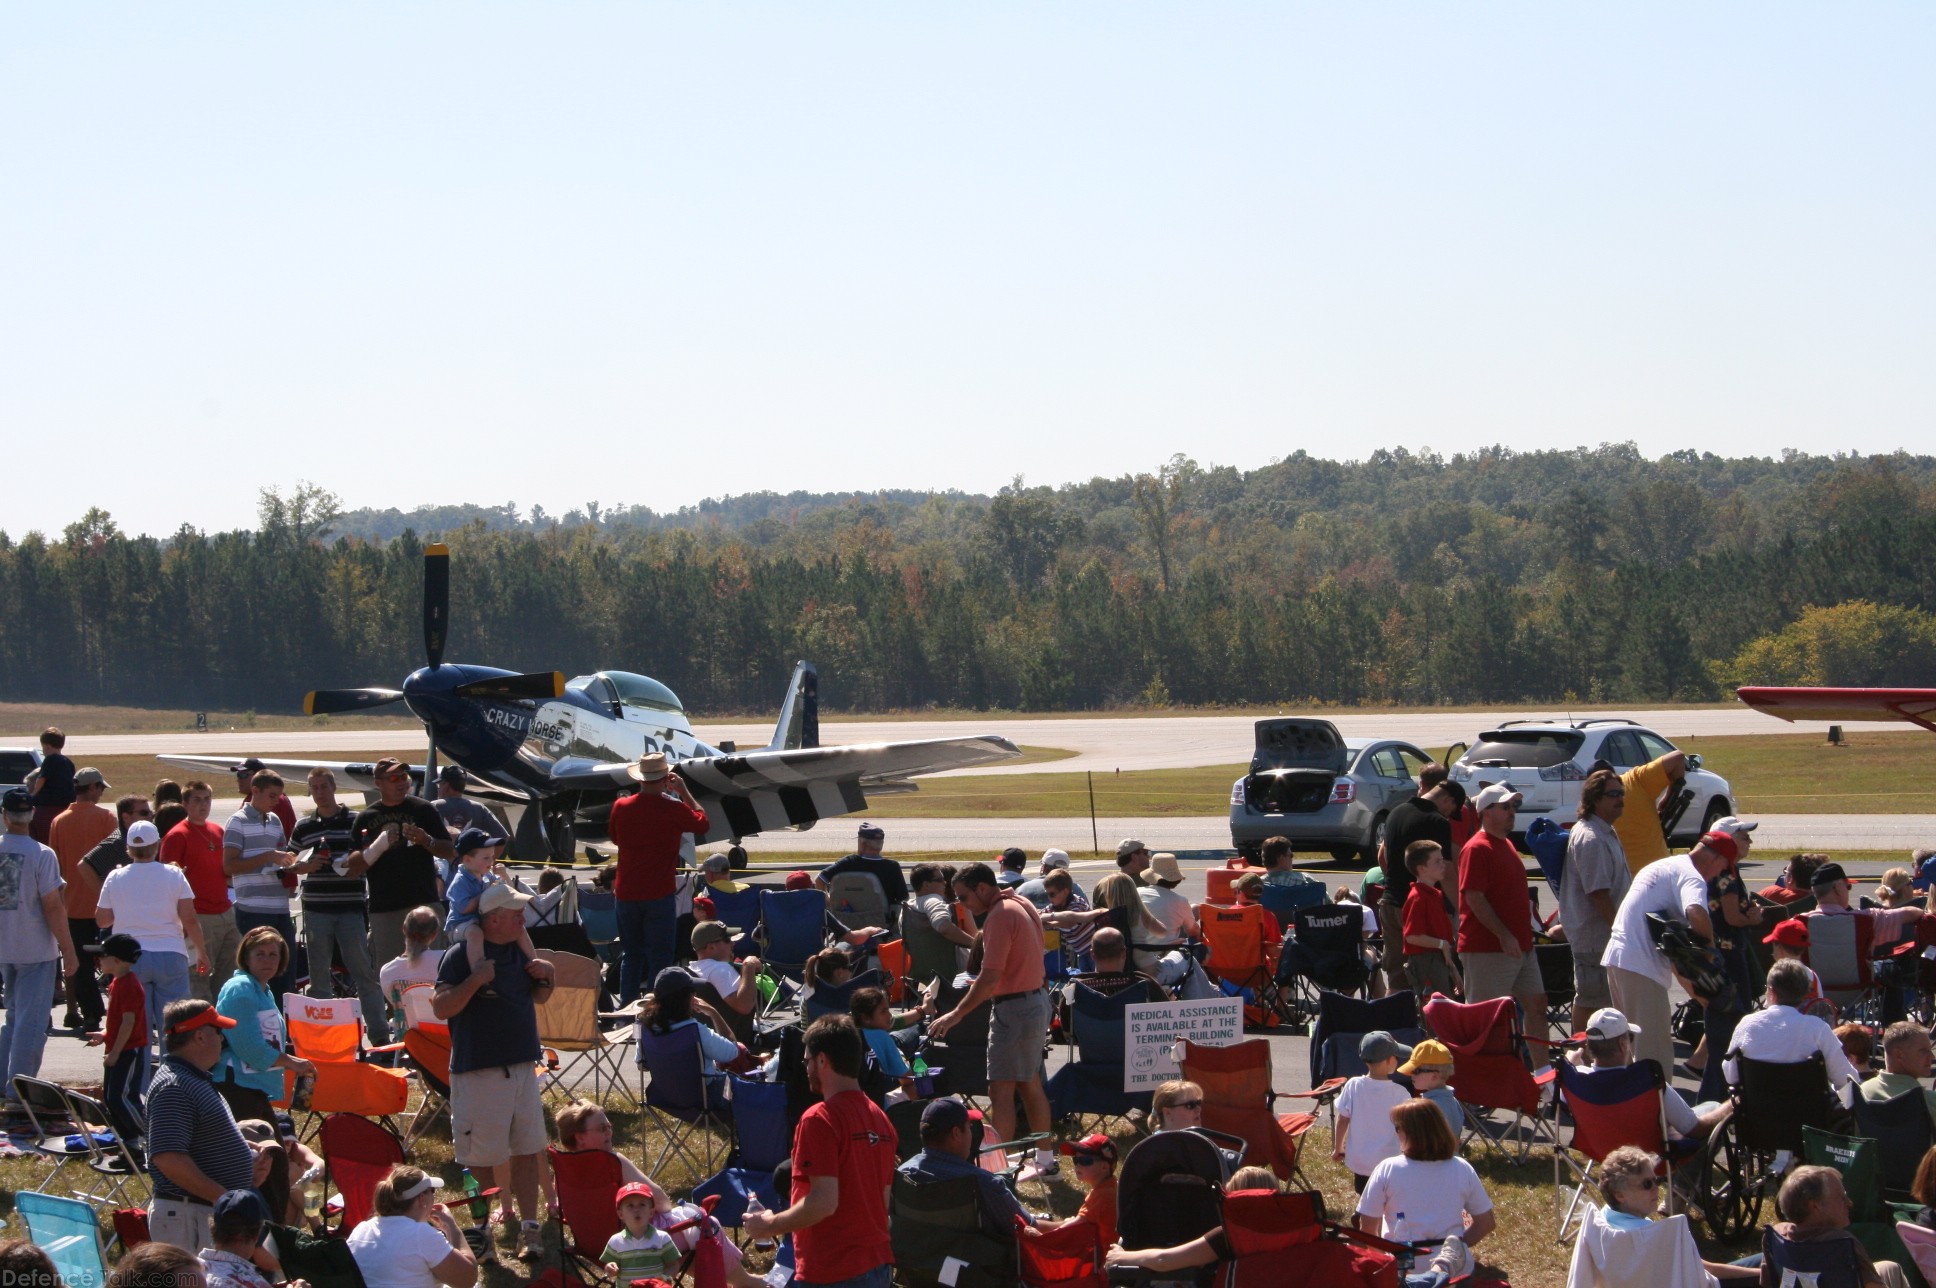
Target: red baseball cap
<point>636,1190</point>
<point>1095,1143</point>
<point>1792,933</point>
<point>801,880</point>
<point>1723,844</point>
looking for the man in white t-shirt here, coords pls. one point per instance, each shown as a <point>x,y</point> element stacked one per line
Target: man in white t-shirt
<point>1160,899</point>
<point>1637,973</point>
<point>736,984</point>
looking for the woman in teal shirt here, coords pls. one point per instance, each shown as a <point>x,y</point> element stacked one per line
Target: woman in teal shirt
<point>257,1048</point>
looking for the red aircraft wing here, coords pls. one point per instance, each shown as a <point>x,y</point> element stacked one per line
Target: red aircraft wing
<point>1915,706</point>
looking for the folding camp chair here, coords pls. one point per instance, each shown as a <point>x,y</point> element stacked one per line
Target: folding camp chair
<point>1489,1046</point>
<point>1243,952</point>
<point>55,1135</point>
<point>1342,1021</point>
<point>1283,1240</point>
<point>1610,1108</point>
<point>832,999</point>
<point>569,1024</point>
<point>1092,1083</point>
<point>111,1160</point>
<point>1323,950</point>
<point>792,928</point>
<point>1660,1254</point>
<point>859,899</point>
<point>1859,1160</point>
<point>740,909</point>
<point>586,1183</point>
<point>1286,901</point>
<point>428,1049</point>
<point>1921,1243</point>
<point>357,1153</point>
<point>937,1235</point>
<point>761,1142</point>
<point>69,1232</point>
<point>1220,884</point>
<point>328,1032</point>
<point>1841,950</point>
<point>1238,1101</point>
<point>1556,968</point>
<point>598,911</point>
<point>1902,1132</point>
<point>895,965</point>
<point>679,1098</point>
<point>1068,1256</point>
<point>1828,1263</point>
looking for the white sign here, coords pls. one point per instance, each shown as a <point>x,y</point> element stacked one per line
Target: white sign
<point>1156,1030</point>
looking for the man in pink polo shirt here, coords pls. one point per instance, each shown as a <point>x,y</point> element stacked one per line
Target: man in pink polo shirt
<point>1018,1017</point>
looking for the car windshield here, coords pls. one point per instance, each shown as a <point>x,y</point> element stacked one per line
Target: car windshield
<point>1526,748</point>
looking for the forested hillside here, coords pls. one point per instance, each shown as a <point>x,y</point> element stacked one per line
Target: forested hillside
<point>1494,577</point>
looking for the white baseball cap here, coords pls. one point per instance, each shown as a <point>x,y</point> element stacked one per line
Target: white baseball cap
<point>1496,794</point>
<point>1606,1024</point>
<point>144,833</point>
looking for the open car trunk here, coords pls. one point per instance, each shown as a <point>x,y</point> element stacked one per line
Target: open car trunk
<point>1293,766</point>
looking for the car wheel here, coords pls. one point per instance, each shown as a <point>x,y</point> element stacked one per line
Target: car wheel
<point>1369,851</point>
<point>1346,853</point>
<point>1717,809</point>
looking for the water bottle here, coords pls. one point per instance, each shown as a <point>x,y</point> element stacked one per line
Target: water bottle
<point>920,1066</point>
<point>480,1208</point>
<point>761,1243</point>
<point>311,1183</point>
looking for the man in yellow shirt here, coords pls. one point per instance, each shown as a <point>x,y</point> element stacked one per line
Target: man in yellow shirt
<point>1639,824</point>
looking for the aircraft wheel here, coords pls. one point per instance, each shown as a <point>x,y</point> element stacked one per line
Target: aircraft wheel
<point>737,856</point>
<point>560,836</point>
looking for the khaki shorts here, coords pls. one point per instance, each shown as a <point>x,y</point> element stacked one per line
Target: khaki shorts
<point>1490,975</point>
<point>497,1115</point>
<point>1018,1030</point>
<point>1591,991</point>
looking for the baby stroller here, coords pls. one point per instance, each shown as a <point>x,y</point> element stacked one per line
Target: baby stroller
<point>1171,1190</point>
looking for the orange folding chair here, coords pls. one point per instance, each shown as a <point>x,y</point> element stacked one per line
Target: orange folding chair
<point>1238,1101</point>
<point>1243,950</point>
<point>895,965</point>
<point>1220,884</point>
<point>328,1032</point>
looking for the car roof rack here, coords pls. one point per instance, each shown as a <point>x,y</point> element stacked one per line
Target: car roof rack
<point>1559,723</point>
<point>1598,720</point>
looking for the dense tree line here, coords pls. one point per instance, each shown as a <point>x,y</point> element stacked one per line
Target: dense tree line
<point>1497,577</point>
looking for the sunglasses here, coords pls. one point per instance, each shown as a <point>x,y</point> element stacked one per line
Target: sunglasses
<point>1086,1160</point>
<point>1651,1183</point>
<point>1615,794</point>
<point>1186,1104</point>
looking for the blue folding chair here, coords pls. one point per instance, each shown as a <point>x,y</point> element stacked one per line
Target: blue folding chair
<point>1092,1083</point>
<point>741,910</point>
<point>1284,901</point>
<point>1343,1020</point>
<point>761,1142</point>
<point>679,1097</point>
<point>598,910</point>
<point>832,999</point>
<point>68,1231</point>
<point>793,927</point>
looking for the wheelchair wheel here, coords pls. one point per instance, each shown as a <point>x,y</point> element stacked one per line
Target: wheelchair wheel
<point>1732,1180</point>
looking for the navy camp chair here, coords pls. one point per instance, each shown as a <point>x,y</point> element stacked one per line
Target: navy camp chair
<point>680,1099</point>
<point>793,927</point>
<point>1092,1083</point>
<point>762,1140</point>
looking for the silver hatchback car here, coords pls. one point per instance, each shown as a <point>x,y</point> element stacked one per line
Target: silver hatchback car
<point>1320,790</point>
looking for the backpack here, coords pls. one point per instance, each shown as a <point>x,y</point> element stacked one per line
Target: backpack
<point>1547,840</point>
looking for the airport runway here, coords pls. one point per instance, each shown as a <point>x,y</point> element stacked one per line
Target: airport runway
<point>1101,744</point>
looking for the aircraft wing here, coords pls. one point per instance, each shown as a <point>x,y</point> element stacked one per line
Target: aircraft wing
<point>1913,706</point>
<point>762,791</point>
<point>356,776</point>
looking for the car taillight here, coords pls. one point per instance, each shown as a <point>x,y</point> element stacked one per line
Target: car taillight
<point>1459,773</point>
<point>1344,791</point>
<point>1566,772</point>
<point>1237,794</point>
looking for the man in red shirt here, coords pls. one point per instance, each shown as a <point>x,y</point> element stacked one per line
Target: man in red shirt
<point>650,828</point>
<point>1496,914</point>
<point>1018,1017</point>
<point>843,1162</point>
<point>195,846</point>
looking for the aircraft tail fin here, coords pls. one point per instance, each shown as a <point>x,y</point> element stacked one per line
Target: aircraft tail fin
<point>799,723</point>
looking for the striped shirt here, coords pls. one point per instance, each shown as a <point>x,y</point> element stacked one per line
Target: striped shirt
<point>253,833</point>
<point>324,890</point>
<point>640,1255</point>
<point>186,1115</point>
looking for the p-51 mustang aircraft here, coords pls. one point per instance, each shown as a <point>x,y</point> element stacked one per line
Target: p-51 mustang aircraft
<point>556,751</point>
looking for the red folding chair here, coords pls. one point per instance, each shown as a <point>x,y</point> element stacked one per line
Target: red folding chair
<point>357,1153</point>
<point>1243,950</point>
<point>1489,1071</point>
<point>1263,1227</point>
<point>1069,1256</point>
<point>1238,1100</point>
<point>586,1182</point>
<point>1610,1108</point>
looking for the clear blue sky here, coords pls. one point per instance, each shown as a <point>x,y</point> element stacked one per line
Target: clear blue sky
<point>647,253</point>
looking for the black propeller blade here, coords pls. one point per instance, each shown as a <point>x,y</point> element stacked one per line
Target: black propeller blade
<point>538,684</point>
<point>436,602</point>
<point>324,702</point>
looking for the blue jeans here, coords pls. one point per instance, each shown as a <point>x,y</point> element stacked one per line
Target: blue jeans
<point>327,934</point>
<point>164,979</point>
<point>647,936</point>
<point>878,1277</point>
<point>283,924</point>
<point>30,998</point>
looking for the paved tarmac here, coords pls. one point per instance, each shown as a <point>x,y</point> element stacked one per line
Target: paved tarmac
<point>1101,744</point>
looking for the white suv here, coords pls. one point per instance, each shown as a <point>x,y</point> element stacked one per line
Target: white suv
<point>1545,761</point>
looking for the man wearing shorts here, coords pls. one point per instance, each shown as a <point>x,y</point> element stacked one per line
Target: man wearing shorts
<point>497,1115</point>
<point>1018,1018</point>
<point>1496,914</point>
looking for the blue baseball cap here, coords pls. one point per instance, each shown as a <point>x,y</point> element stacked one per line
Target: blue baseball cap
<point>1925,877</point>
<point>472,839</point>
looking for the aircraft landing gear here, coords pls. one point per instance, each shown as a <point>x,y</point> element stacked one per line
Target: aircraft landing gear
<point>736,856</point>
<point>559,834</point>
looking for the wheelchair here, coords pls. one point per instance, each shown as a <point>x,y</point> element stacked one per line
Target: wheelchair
<point>1768,1108</point>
